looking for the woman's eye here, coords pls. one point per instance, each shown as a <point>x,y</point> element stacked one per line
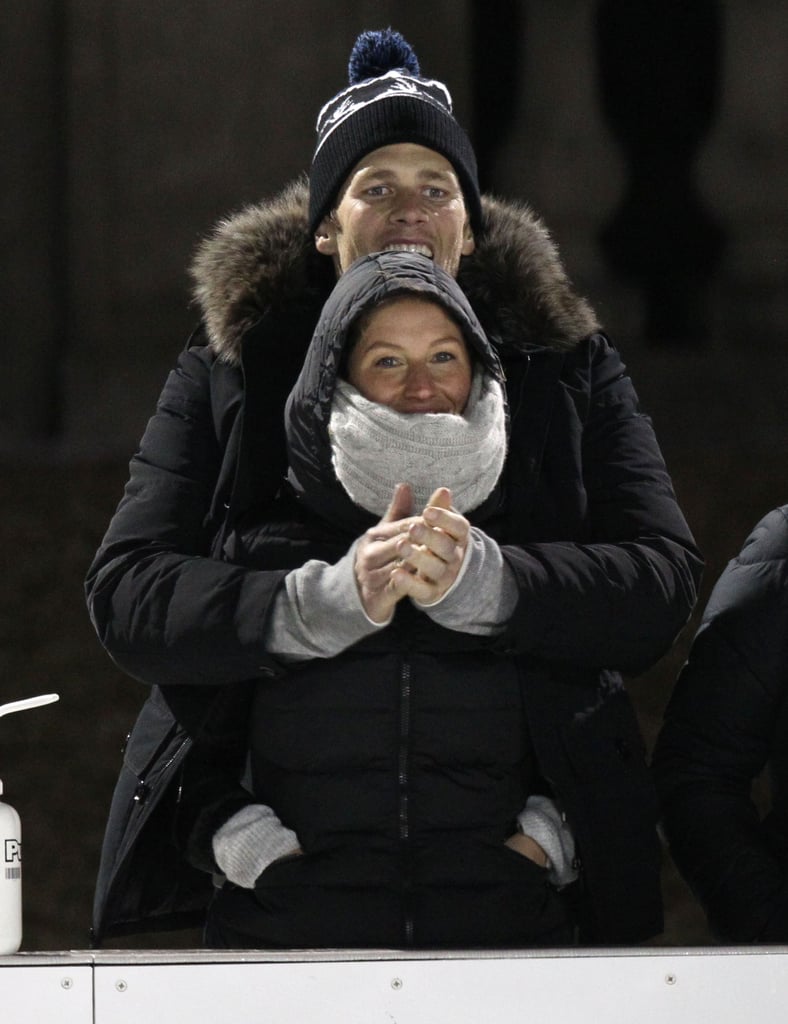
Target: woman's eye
<point>386,362</point>
<point>444,357</point>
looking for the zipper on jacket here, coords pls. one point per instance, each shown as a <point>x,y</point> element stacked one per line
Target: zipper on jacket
<point>403,783</point>
<point>143,788</point>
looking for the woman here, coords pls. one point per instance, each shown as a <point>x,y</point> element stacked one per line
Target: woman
<point>392,752</point>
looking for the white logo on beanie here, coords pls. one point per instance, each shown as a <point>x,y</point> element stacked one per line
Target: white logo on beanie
<point>393,83</point>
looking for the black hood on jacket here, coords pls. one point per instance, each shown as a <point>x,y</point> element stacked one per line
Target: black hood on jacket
<point>263,258</point>
<point>367,283</point>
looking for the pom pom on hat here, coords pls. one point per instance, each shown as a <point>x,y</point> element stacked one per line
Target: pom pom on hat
<point>375,53</point>
<point>387,102</point>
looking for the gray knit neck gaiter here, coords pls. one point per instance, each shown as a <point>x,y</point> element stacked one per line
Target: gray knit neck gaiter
<point>374,448</point>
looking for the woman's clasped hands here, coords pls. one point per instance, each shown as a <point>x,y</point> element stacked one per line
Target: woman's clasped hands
<point>407,555</point>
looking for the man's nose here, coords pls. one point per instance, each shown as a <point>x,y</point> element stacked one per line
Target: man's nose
<point>409,207</point>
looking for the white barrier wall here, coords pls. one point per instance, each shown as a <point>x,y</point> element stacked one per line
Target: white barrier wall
<point>39,988</point>
<point>680,986</point>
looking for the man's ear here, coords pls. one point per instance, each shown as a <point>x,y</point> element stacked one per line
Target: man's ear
<point>326,237</point>
<point>468,241</point>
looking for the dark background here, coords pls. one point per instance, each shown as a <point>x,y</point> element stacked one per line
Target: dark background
<point>651,137</point>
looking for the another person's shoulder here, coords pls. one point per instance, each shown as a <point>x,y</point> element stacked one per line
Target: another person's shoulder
<point>751,596</point>
<point>768,540</point>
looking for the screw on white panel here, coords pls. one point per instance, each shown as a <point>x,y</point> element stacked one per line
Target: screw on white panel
<point>670,979</point>
<point>121,985</point>
<point>396,982</point>
<point>66,983</point>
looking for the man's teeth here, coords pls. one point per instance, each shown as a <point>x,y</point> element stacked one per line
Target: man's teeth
<point>423,250</point>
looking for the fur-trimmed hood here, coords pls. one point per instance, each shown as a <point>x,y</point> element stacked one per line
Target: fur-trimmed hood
<point>264,258</point>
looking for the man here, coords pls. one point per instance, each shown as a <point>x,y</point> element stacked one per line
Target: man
<point>604,566</point>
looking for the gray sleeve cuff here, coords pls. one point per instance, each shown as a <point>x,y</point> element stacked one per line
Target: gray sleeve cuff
<point>482,598</point>
<point>544,823</point>
<point>249,841</point>
<point>318,612</point>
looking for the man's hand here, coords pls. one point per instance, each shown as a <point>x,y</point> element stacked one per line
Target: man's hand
<point>432,551</point>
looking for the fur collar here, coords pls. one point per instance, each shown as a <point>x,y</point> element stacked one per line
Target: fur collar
<point>263,258</point>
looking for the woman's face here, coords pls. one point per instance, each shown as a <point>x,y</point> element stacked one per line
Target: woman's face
<point>412,357</point>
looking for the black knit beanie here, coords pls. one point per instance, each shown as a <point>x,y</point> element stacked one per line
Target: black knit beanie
<point>386,102</point>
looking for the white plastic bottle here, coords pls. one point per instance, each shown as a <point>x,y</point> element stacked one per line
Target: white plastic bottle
<point>10,879</point>
<point>11,850</point>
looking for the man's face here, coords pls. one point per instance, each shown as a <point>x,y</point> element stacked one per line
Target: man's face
<point>400,197</point>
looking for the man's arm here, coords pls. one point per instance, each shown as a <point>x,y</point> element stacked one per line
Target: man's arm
<point>618,596</point>
<point>166,611</point>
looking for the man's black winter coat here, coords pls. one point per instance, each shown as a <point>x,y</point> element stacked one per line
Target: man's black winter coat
<point>605,564</point>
